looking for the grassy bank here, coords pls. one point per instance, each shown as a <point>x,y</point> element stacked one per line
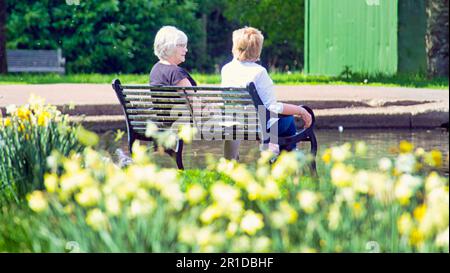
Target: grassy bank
<point>416,81</point>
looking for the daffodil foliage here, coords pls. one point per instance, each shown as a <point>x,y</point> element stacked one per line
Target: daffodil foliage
<point>402,205</point>
<point>28,135</point>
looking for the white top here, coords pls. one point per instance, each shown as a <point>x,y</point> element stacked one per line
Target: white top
<point>239,74</point>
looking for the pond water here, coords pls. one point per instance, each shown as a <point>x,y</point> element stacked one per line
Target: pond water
<point>378,141</point>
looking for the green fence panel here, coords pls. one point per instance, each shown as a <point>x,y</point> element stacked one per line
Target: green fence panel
<point>351,35</point>
<point>412,27</point>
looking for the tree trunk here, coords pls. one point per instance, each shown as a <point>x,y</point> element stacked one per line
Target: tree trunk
<point>3,64</point>
<point>437,38</point>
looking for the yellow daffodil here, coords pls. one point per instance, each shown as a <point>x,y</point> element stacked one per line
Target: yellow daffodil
<point>416,237</point>
<point>112,205</point>
<point>187,133</point>
<point>43,119</point>
<point>362,181</point>
<point>341,175</point>
<point>21,128</point>
<point>173,194</point>
<point>406,146</point>
<point>434,158</point>
<point>24,113</point>
<point>261,244</point>
<point>326,157</point>
<point>97,220</point>
<point>204,236</point>
<point>241,175</point>
<point>36,102</point>
<point>285,165</point>
<point>341,153</point>
<point>357,209</point>
<point>7,122</point>
<point>151,129</point>
<point>51,182</point>
<point>232,228</point>
<point>384,164</point>
<point>405,223</point>
<point>433,181</point>
<point>241,244</point>
<point>334,216</point>
<point>442,239</point>
<point>211,213</point>
<point>308,200</point>
<point>224,194</point>
<point>251,222</point>
<point>405,188</point>
<point>405,163</point>
<point>254,190</point>
<point>37,201</point>
<point>195,194</point>
<point>88,196</point>
<point>188,234</point>
<point>419,212</point>
<point>270,190</point>
<point>140,207</point>
<point>291,213</point>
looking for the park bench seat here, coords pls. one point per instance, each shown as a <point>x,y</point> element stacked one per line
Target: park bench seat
<point>218,113</point>
<point>24,60</point>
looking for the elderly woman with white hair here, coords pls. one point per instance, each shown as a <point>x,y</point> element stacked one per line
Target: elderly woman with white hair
<point>170,47</point>
<point>243,69</point>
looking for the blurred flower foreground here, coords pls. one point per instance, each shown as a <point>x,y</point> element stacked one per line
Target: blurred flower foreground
<point>60,192</point>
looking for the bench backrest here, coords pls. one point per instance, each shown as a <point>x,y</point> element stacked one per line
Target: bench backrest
<point>218,113</point>
<point>24,60</point>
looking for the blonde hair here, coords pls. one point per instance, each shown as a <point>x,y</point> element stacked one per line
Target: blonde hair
<point>247,44</point>
<point>166,41</point>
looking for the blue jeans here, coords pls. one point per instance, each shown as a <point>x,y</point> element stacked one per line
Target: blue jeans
<point>286,127</point>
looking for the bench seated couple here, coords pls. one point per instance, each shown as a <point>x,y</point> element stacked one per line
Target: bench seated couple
<point>243,108</point>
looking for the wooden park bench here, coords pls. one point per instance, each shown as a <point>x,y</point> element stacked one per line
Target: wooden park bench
<point>24,60</point>
<point>218,113</point>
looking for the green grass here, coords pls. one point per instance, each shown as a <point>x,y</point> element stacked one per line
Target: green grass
<point>296,78</point>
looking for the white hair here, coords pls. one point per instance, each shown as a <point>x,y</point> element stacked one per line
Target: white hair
<point>166,41</point>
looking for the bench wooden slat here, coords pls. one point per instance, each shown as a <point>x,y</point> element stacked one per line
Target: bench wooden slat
<point>183,100</point>
<point>128,93</point>
<point>223,135</point>
<point>211,106</point>
<point>174,88</point>
<point>225,130</point>
<point>162,124</point>
<point>142,130</point>
<point>149,106</point>
<point>239,119</point>
<point>150,111</point>
<point>153,117</point>
<point>197,112</point>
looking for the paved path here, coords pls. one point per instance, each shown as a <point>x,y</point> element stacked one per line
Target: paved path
<point>335,105</point>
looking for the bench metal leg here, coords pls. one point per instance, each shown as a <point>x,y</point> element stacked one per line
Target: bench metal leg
<point>314,153</point>
<point>131,140</point>
<point>177,155</point>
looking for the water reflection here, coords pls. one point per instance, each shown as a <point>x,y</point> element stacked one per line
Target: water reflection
<point>378,142</point>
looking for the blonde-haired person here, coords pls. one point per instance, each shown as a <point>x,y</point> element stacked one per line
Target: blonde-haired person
<point>170,47</point>
<point>243,69</point>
